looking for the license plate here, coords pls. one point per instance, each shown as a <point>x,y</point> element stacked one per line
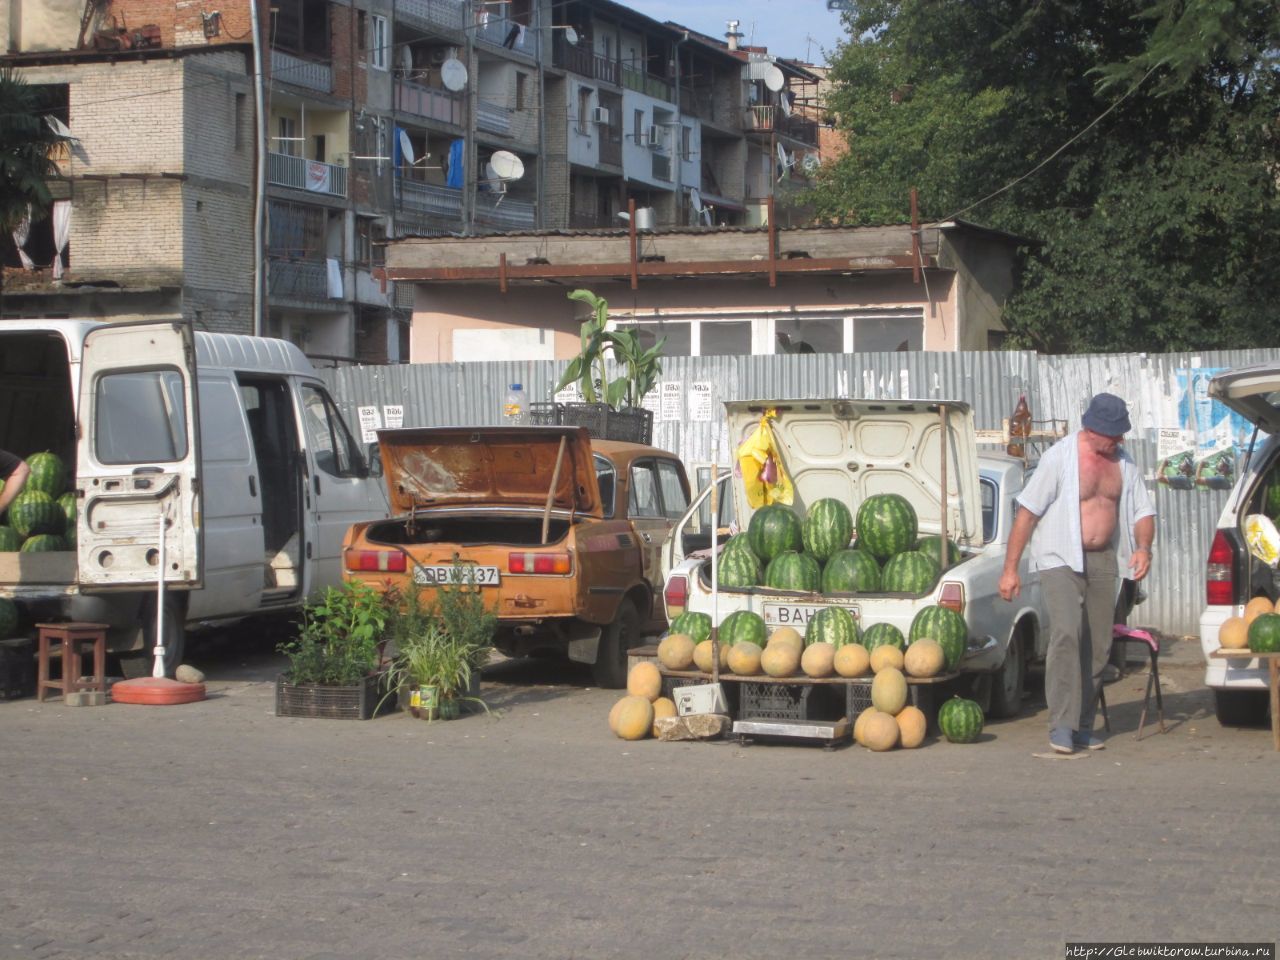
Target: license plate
<point>469,575</point>
<point>795,615</point>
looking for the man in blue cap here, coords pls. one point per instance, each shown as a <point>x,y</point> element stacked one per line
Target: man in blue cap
<point>1090,512</point>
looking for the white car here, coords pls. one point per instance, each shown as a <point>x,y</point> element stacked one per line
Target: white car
<point>1234,575</point>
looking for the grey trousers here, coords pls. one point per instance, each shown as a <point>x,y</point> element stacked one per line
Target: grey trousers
<point>1081,610</point>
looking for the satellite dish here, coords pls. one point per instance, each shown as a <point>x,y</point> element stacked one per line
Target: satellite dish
<point>571,36</point>
<point>783,159</point>
<point>453,74</point>
<point>773,78</point>
<point>406,59</point>
<point>505,165</point>
<point>810,163</point>
<point>784,101</point>
<point>695,199</point>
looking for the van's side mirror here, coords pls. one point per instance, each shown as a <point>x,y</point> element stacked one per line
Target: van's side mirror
<point>373,456</point>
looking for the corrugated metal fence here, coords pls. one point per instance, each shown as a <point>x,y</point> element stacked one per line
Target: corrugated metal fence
<point>471,394</point>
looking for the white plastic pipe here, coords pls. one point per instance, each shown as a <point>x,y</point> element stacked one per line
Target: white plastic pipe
<point>157,669</point>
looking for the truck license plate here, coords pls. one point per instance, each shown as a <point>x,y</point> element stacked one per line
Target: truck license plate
<point>469,575</point>
<point>795,615</point>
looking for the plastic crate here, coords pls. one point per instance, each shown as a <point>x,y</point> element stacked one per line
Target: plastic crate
<point>634,424</point>
<point>858,698</point>
<point>544,414</point>
<point>17,668</point>
<point>790,701</point>
<point>359,702</point>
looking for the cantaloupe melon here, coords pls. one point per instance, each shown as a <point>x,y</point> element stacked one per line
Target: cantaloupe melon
<point>635,718</point>
<point>788,636</point>
<point>613,715</point>
<point>818,660</point>
<point>889,691</point>
<point>861,722</point>
<point>744,659</point>
<point>1233,634</point>
<point>662,707</point>
<point>675,651</point>
<point>880,732</point>
<point>702,656</point>
<point>645,680</point>
<point>779,660</point>
<point>1255,607</point>
<point>912,726</point>
<point>924,658</point>
<point>852,660</point>
<point>886,657</point>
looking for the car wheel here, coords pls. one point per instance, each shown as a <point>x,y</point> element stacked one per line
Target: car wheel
<point>610,668</point>
<point>1241,708</point>
<point>1008,682</point>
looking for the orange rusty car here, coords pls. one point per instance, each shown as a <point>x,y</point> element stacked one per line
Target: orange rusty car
<point>561,532</point>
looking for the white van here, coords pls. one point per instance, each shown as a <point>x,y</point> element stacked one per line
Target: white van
<point>233,440</point>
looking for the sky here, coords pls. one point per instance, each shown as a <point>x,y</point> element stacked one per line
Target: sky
<point>796,29</point>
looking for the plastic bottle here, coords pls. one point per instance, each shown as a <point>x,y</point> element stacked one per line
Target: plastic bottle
<point>1019,428</point>
<point>513,408</point>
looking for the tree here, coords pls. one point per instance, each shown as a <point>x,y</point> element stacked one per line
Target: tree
<point>1153,229</point>
<point>28,144</point>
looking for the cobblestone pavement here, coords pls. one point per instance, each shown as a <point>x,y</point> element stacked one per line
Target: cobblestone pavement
<point>219,830</point>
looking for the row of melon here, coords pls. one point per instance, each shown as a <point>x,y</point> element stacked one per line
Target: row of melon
<point>635,716</point>
<point>1258,629</point>
<point>879,729</point>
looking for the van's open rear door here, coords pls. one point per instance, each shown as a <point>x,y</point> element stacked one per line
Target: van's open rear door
<point>138,455</point>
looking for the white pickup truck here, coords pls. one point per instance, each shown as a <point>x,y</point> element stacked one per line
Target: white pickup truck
<point>851,449</point>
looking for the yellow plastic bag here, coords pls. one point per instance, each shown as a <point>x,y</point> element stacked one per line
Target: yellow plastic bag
<point>764,478</point>
<point>1263,540</point>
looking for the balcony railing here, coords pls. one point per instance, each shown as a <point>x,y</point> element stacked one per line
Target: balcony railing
<point>611,146</point>
<point>496,30</point>
<point>799,128</point>
<point>645,83</point>
<point>584,62</point>
<point>758,118</point>
<point>428,14</point>
<point>661,166</point>
<point>430,199</point>
<point>493,117</point>
<point>297,279</point>
<point>429,102</point>
<point>504,213</point>
<point>698,103</point>
<point>311,175</point>
<point>301,72</point>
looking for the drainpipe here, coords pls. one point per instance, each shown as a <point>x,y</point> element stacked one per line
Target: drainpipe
<point>680,138</point>
<point>260,173</point>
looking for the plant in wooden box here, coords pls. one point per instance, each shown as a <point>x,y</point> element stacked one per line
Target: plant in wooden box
<point>335,658</point>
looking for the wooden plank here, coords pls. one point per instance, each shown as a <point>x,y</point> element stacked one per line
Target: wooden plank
<point>1221,654</point>
<point>798,680</point>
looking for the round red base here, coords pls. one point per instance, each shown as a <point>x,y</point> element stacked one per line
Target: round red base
<point>156,691</point>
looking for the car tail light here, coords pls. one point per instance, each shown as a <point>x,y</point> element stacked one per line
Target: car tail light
<point>952,596</point>
<point>676,596</point>
<point>1220,588</point>
<point>538,563</point>
<point>375,561</point>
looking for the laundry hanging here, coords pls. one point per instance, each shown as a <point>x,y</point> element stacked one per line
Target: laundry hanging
<point>456,174</point>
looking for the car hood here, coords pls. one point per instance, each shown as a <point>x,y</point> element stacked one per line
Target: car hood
<point>1253,392</point>
<point>852,449</point>
<point>489,466</point>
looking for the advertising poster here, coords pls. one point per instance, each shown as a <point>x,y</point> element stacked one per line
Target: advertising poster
<point>1204,448</point>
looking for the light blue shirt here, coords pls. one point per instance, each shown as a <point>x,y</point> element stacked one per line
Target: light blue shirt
<point>1053,494</point>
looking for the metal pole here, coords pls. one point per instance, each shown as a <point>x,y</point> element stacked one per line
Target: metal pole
<point>260,172</point>
<point>715,584</point>
<point>945,551</point>
<point>157,668</point>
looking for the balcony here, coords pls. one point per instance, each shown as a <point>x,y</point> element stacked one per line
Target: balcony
<point>584,62</point>
<point>661,166</point>
<point>429,102</point>
<point>430,199</point>
<point>494,31</point>
<point>698,103</point>
<point>301,72</point>
<point>649,85</point>
<point>429,15</point>
<point>493,117</point>
<point>295,279</point>
<point>501,212</point>
<point>611,145</point>
<point>313,176</point>
<point>758,118</point>
<point>799,128</point>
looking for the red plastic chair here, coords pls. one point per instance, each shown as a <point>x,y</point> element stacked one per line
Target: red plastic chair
<point>1125,635</point>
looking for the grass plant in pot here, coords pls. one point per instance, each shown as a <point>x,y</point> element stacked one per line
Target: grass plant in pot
<point>336,657</point>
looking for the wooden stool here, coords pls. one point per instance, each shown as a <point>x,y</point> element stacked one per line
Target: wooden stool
<point>69,641</point>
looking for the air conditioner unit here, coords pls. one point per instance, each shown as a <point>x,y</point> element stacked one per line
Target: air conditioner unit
<point>600,115</point>
<point>439,55</point>
<point>653,136</point>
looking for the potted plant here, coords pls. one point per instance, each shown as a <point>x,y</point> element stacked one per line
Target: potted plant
<point>335,659</point>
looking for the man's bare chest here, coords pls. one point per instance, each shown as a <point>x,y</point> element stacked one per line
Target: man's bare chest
<point>1099,479</point>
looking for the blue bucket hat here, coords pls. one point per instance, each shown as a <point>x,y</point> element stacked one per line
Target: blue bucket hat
<point>1107,415</point>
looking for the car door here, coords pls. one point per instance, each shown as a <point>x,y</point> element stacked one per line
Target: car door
<point>138,457</point>
<point>692,532</point>
<point>658,497</point>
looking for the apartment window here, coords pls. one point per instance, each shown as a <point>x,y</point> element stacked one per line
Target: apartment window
<point>637,127</point>
<point>809,335</point>
<point>317,147</point>
<point>286,138</point>
<point>379,51</point>
<point>296,231</point>
<point>686,143</point>
<point>584,110</point>
<point>889,332</point>
<point>522,81</point>
<point>241,108</point>
<point>362,34</point>
<point>371,237</point>
<point>302,26</point>
<point>725,338</point>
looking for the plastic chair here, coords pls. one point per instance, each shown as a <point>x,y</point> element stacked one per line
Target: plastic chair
<point>1125,635</point>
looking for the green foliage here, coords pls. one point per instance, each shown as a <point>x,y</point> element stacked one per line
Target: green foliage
<point>641,367</point>
<point>340,636</point>
<point>27,144</point>
<point>1149,230</point>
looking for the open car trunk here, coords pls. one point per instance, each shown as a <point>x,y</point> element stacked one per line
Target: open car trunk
<point>469,531</point>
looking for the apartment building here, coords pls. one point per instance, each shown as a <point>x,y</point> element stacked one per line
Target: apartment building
<point>380,119</point>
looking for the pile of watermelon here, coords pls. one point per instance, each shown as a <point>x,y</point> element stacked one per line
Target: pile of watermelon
<point>43,516</point>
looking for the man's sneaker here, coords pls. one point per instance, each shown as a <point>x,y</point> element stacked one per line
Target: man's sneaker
<point>1060,739</point>
<point>1087,741</point>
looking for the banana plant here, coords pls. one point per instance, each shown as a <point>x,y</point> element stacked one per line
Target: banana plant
<point>588,368</point>
<point>643,366</point>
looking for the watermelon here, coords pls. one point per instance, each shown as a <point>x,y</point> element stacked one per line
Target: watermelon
<point>1271,499</point>
<point>833,625</point>
<point>33,512</point>
<point>933,547</point>
<point>743,625</point>
<point>10,540</point>
<point>851,571</point>
<point>773,530</point>
<point>911,571</point>
<point>8,618</point>
<point>879,634</point>
<point>794,571</point>
<point>696,626</point>
<point>947,627</point>
<point>48,473</point>
<point>827,528</point>
<point>1264,633</point>
<point>960,720</point>
<point>737,565</point>
<point>886,525</point>
<point>43,543</point>
<point>68,504</point>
